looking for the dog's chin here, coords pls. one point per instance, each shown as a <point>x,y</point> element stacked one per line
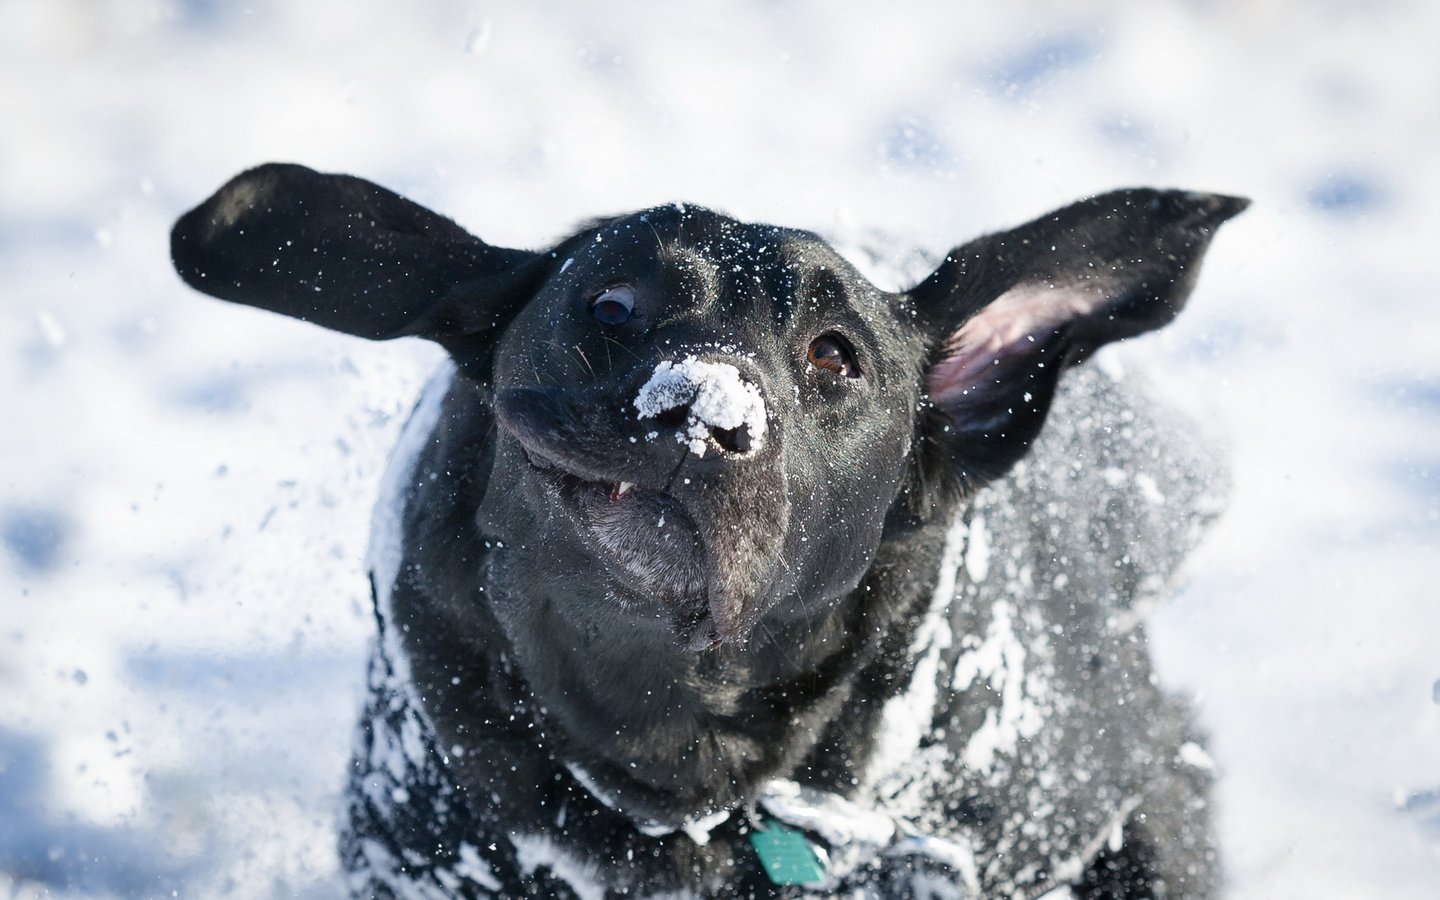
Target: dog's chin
<point>648,543</point>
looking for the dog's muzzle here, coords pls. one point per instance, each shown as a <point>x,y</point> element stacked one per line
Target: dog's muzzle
<point>679,491</point>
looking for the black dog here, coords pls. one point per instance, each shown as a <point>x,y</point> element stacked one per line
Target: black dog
<point>686,581</point>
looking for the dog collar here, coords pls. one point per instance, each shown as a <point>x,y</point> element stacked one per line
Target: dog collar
<point>810,837</point>
<point>842,836</point>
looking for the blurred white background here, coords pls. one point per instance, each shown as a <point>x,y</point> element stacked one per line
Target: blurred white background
<point>185,485</point>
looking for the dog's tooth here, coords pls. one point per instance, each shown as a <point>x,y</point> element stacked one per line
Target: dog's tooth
<point>624,486</point>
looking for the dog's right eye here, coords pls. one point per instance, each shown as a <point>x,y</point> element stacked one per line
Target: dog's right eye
<point>613,306</point>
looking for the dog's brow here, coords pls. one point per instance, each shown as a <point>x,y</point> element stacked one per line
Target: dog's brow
<point>822,282</point>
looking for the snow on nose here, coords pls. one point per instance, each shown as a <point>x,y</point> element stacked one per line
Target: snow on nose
<point>714,396</point>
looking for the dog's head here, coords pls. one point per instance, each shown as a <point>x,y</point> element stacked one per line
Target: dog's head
<point>707,419</point>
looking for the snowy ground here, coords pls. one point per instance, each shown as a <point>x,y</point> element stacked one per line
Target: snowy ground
<point>184,486</point>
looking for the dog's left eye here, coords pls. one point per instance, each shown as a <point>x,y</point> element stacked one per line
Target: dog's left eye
<point>832,353</point>
<point>613,306</point>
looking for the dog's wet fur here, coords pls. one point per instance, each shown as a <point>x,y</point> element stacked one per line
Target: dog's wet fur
<point>601,636</point>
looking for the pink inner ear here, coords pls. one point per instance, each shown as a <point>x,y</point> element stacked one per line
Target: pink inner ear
<point>1013,324</point>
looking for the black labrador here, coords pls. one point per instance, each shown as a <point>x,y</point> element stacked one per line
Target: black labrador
<point>708,568</point>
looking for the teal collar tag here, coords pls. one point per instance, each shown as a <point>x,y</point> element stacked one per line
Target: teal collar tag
<point>787,856</point>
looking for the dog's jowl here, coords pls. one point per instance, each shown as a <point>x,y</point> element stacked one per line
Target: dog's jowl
<point>705,567</point>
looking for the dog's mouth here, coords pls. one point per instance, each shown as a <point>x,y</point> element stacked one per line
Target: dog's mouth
<point>572,482</point>
<point>648,538</point>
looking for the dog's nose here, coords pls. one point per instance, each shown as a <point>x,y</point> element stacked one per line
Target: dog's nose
<point>708,402</point>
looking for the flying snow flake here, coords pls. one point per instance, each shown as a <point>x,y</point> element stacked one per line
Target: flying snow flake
<point>1192,754</point>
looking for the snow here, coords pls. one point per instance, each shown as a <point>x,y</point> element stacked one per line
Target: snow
<point>386,548</point>
<point>1000,660</point>
<point>698,828</point>
<point>1192,754</point>
<point>714,396</point>
<point>534,850</point>
<point>908,715</point>
<point>150,433</point>
<point>475,869</point>
<point>837,821</point>
<point>977,550</point>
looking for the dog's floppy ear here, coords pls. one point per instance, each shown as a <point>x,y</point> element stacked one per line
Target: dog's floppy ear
<point>349,255</point>
<point>1007,313</point>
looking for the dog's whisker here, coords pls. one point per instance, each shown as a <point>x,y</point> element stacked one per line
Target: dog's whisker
<point>585,360</point>
<point>779,646</point>
<point>573,351</point>
<point>664,251</point>
<point>610,341</point>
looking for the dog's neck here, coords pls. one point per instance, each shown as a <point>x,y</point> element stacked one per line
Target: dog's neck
<point>668,734</point>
